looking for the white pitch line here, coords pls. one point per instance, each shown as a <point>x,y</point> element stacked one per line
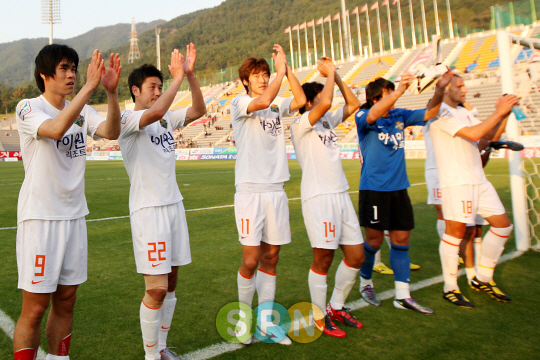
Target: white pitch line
<point>189,210</point>
<point>226,347</point>
<point>9,328</point>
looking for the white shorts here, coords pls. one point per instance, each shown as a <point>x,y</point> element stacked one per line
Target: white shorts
<point>51,253</point>
<point>463,203</point>
<point>433,188</point>
<point>160,238</point>
<point>262,216</point>
<point>331,221</point>
<point>479,221</point>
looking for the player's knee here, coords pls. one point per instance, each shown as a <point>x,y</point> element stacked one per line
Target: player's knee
<point>270,258</point>
<point>34,313</point>
<point>156,296</point>
<point>324,263</point>
<point>250,264</point>
<point>356,261</point>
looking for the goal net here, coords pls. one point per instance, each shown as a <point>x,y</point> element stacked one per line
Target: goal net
<point>525,64</point>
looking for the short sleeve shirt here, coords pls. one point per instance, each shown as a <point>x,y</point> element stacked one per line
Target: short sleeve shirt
<point>382,145</point>
<point>53,186</point>
<point>150,159</point>
<point>260,141</point>
<point>317,151</point>
<point>458,158</point>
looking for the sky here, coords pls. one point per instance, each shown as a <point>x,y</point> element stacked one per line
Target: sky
<point>22,18</point>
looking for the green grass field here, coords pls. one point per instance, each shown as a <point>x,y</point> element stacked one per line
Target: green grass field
<point>106,324</point>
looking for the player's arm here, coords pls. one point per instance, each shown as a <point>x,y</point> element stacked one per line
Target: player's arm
<point>476,132</point>
<point>110,128</point>
<point>270,93</point>
<point>328,70</point>
<point>385,104</point>
<point>352,103</point>
<point>299,98</point>
<point>57,127</point>
<point>161,106</point>
<point>434,105</point>
<point>495,133</point>
<point>198,107</point>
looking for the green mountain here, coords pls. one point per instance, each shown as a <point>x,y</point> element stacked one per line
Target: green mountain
<point>17,57</point>
<point>235,29</point>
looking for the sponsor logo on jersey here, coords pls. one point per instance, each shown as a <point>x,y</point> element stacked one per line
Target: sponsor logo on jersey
<point>24,108</point>
<point>274,108</point>
<point>326,125</point>
<point>124,117</point>
<point>80,120</point>
<point>272,126</point>
<point>163,123</point>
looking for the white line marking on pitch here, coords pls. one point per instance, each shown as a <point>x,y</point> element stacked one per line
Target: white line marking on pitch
<point>226,347</point>
<point>190,210</point>
<point>9,328</point>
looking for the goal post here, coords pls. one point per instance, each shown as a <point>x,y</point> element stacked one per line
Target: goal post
<point>517,177</point>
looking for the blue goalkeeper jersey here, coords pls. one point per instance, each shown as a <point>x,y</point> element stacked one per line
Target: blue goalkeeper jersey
<point>382,146</point>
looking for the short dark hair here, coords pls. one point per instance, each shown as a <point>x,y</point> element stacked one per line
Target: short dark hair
<point>140,74</point>
<point>311,89</point>
<point>374,91</point>
<point>252,65</point>
<point>48,59</point>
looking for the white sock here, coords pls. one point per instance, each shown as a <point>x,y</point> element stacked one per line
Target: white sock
<point>317,289</point>
<point>246,288</point>
<point>378,260</point>
<point>365,282</point>
<point>471,273</point>
<point>477,243</point>
<point>150,330</point>
<point>56,357</point>
<point>441,227</point>
<point>402,290</point>
<point>449,252</point>
<point>167,312</point>
<point>492,249</point>
<point>266,286</point>
<point>345,279</point>
<point>387,238</point>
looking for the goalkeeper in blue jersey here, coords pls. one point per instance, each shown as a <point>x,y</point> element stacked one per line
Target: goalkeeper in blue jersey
<point>384,203</point>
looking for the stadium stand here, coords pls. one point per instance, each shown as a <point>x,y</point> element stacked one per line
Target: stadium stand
<point>372,69</point>
<point>10,140</point>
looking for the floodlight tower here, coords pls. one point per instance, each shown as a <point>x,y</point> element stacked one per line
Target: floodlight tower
<point>50,14</point>
<point>158,51</point>
<point>133,44</point>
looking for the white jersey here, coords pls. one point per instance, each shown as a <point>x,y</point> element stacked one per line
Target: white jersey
<point>317,152</point>
<point>459,160</point>
<point>149,159</point>
<point>260,141</point>
<point>53,186</point>
<point>431,162</point>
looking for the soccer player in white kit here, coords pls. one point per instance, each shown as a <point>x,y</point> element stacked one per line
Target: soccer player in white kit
<point>51,228</point>
<point>158,219</point>
<point>471,245</point>
<point>328,211</point>
<point>260,202</point>
<point>466,192</point>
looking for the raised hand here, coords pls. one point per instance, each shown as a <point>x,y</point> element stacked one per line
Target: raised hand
<point>325,66</point>
<point>109,78</point>
<point>404,83</point>
<point>191,57</point>
<point>177,65</point>
<point>279,49</point>
<point>445,79</point>
<point>504,104</point>
<point>280,60</point>
<point>95,70</point>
